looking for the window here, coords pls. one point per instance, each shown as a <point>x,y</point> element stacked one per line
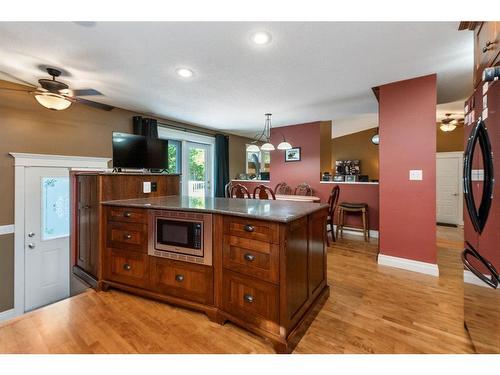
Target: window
<point>191,155</point>
<point>174,156</point>
<point>258,162</point>
<point>55,207</point>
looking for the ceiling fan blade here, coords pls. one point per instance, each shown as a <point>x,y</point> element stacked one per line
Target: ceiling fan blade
<point>97,105</point>
<point>19,90</point>
<point>85,92</point>
<point>10,77</point>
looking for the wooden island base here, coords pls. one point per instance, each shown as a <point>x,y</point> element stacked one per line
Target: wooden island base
<point>266,276</point>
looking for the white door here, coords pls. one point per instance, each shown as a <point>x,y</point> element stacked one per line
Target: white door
<point>449,188</point>
<point>47,258</point>
<point>198,169</point>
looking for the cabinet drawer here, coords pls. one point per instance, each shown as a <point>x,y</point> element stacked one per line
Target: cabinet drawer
<point>128,215</point>
<point>253,258</point>
<point>251,300</point>
<point>127,267</point>
<point>254,229</point>
<point>183,280</point>
<point>128,236</point>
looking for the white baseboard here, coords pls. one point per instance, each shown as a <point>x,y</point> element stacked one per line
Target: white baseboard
<point>7,314</point>
<point>373,233</point>
<point>409,264</point>
<point>470,278</point>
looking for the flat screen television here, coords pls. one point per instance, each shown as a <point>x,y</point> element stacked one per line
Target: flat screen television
<point>137,151</point>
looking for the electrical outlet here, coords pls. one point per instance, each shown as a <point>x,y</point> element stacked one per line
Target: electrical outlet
<point>416,175</point>
<point>146,187</point>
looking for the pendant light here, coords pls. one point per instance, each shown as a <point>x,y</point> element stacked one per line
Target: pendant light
<point>376,138</point>
<point>266,134</point>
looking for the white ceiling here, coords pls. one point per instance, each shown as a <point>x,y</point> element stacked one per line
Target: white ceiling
<point>310,71</point>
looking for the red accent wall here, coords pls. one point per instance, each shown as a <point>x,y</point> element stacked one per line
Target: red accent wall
<point>307,137</point>
<point>407,126</point>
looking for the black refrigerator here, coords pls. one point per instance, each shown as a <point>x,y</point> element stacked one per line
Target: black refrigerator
<point>481,256</point>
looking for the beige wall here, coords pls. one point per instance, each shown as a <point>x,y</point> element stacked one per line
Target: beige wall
<point>237,155</point>
<point>358,146</point>
<point>450,141</point>
<point>25,126</point>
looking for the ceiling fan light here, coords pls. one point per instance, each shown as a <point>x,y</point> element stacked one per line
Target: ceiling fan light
<point>253,148</point>
<point>284,146</point>
<point>267,147</point>
<point>52,101</point>
<point>447,127</point>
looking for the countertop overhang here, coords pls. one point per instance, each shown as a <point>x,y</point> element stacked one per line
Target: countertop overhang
<point>273,210</point>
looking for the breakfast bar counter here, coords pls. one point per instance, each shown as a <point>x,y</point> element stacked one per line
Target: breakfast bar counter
<point>260,264</point>
<point>272,210</point>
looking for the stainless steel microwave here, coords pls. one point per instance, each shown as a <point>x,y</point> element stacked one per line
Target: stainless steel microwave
<point>181,235</point>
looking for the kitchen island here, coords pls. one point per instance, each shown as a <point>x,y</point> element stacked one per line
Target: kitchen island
<point>257,263</point>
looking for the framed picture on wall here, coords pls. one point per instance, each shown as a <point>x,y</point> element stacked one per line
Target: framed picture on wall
<point>292,154</point>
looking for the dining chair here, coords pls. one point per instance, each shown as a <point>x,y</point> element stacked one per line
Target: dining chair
<point>239,191</point>
<point>283,189</point>
<point>263,192</point>
<point>227,189</point>
<point>332,206</point>
<point>303,189</point>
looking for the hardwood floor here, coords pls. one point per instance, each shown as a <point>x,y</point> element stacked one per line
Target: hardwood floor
<point>371,309</point>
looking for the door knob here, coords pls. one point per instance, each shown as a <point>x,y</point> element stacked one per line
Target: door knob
<point>31,234</point>
<point>249,257</point>
<point>248,298</point>
<point>31,245</point>
<point>179,278</point>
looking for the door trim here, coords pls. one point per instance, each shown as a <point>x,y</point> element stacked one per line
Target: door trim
<point>21,162</point>
<point>456,155</point>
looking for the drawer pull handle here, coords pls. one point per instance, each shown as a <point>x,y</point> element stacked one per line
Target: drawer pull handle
<point>179,278</point>
<point>486,48</point>
<point>249,257</point>
<point>127,214</point>
<point>249,228</point>
<point>127,236</point>
<point>127,267</point>
<point>248,298</point>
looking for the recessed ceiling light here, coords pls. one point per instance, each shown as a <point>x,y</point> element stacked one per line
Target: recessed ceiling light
<point>184,72</point>
<point>261,37</point>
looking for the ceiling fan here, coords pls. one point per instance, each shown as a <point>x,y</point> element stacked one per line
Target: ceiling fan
<point>56,95</point>
<point>450,123</point>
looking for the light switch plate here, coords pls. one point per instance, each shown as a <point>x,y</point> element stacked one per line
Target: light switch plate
<point>146,187</point>
<point>416,175</point>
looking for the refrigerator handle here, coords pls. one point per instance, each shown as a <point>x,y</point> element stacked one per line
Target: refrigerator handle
<point>493,280</point>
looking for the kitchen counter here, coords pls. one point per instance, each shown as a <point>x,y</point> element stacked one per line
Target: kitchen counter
<point>279,211</point>
<point>350,182</point>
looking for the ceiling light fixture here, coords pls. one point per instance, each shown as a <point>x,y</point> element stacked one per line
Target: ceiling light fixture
<point>448,124</point>
<point>266,135</point>
<point>184,72</point>
<point>52,101</point>
<point>261,38</point>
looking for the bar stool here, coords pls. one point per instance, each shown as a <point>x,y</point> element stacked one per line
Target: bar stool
<point>355,208</point>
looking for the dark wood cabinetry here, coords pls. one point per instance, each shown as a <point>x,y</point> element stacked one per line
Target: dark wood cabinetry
<point>486,45</point>
<point>87,257</point>
<point>128,230</point>
<point>267,276</point>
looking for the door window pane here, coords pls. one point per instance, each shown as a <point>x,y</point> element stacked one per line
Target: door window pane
<point>174,156</point>
<point>197,162</point>
<point>55,207</point>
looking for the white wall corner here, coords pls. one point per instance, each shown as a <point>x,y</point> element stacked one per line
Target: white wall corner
<point>7,314</point>
<point>409,264</point>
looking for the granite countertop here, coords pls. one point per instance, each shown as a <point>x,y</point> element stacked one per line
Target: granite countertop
<point>281,211</point>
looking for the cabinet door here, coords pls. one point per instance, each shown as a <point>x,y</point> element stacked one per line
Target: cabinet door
<point>485,48</point>
<point>87,226</point>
